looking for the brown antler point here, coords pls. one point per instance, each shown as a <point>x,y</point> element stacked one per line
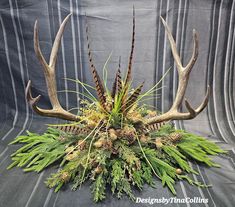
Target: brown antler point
<point>190,108</point>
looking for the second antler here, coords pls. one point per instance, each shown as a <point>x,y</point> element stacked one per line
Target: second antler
<point>183,72</point>
<point>49,73</point>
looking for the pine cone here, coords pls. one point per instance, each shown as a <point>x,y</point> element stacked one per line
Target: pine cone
<point>158,143</point>
<point>113,134</point>
<point>65,177</point>
<point>81,144</point>
<point>71,156</point>
<point>99,143</point>
<point>175,136</point>
<point>128,134</point>
<point>108,144</point>
<point>98,170</point>
<point>144,138</point>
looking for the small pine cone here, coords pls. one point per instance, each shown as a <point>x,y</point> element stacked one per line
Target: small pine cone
<point>143,138</point>
<point>158,143</point>
<point>71,156</point>
<point>108,144</point>
<point>131,139</point>
<point>65,177</point>
<point>98,170</point>
<point>138,164</point>
<point>175,136</point>
<point>178,171</point>
<point>113,134</point>
<point>91,124</point>
<point>81,144</point>
<point>99,143</point>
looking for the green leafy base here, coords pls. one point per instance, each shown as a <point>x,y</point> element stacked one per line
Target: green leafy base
<point>121,166</point>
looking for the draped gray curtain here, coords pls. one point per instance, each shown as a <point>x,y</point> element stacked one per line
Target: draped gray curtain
<point>110,26</point>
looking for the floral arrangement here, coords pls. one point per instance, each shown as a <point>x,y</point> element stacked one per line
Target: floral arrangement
<point>114,140</point>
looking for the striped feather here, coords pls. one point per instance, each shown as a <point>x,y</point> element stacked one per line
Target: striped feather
<point>73,129</point>
<point>128,75</point>
<point>96,78</point>
<point>133,97</point>
<point>156,126</point>
<point>117,85</point>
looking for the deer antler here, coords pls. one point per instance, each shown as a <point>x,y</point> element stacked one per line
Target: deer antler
<point>183,72</point>
<point>49,73</point>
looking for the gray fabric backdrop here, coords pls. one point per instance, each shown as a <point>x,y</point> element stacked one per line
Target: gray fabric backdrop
<point>110,25</point>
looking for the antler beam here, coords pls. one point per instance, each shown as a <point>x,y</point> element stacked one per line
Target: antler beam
<point>49,73</point>
<point>183,72</point>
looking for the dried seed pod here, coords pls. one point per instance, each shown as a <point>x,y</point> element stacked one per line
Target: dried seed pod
<point>178,171</point>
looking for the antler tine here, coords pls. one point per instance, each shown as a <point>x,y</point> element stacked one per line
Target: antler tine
<point>183,72</point>
<point>57,41</point>
<point>194,57</point>
<point>173,46</point>
<point>28,95</point>
<point>37,48</point>
<point>202,106</point>
<point>49,73</point>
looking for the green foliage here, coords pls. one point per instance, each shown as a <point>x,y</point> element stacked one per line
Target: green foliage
<point>127,154</point>
<point>147,174</point>
<point>166,172</point>
<point>105,145</point>
<point>119,181</point>
<point>112,160</point>
<point>98,188</point>
<point>117,174</point>
<point>179,158</point>
<point>39,151</point>
<point>163,132</point>
<point>197,148</point>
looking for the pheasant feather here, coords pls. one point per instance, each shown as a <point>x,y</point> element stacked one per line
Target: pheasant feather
<point>133,97</point>
<point>117,85</point>
<point>74,129</point>
<point>96,78</point>
<point>128,75</point>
